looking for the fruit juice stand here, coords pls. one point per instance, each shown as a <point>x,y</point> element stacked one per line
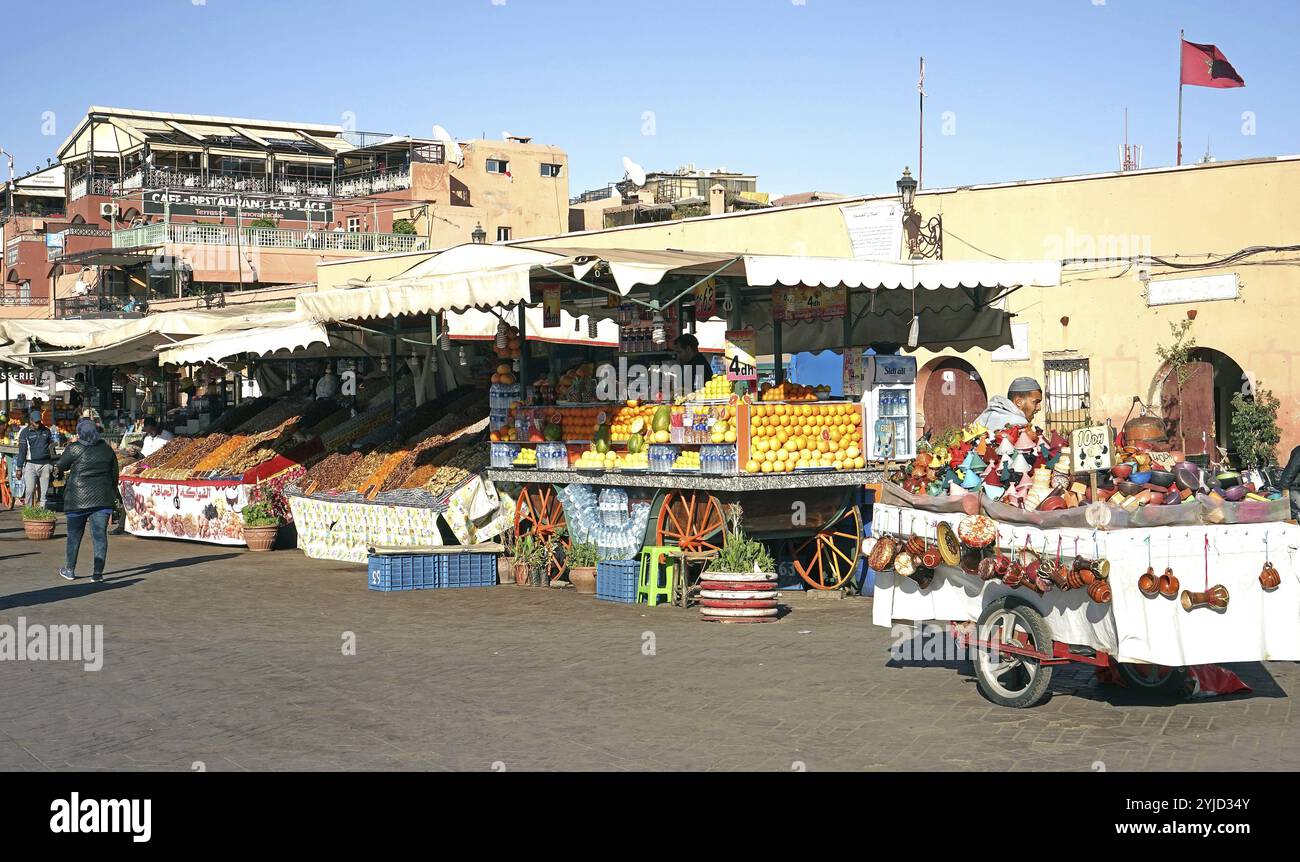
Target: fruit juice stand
<point>553,458</point>
<point>1149,568</point>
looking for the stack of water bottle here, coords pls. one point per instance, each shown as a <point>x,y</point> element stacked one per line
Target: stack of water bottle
<point>580,509</point>
<point>718,459</point>
<point>552,456</point>
<point>500,397</point>
<point>662,456</point>
<point>605,521</point>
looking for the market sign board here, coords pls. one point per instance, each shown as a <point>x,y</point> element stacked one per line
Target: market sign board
<point>212,205</point>
<point>802,302</point>
<point>741,347</point>
<point>875,229</point>
<point>855,374</point>
<point>1201,288</point>
<point>1093,449</point>
<point>198,511</point>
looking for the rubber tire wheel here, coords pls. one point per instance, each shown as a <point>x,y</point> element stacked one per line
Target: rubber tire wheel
<point>1033,622</point>
<point>1173,685</point>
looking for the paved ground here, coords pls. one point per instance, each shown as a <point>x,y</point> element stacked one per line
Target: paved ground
<point>217,655</point>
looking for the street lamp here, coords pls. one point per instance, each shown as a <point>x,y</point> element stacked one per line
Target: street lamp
<point>923,241</point>
<point>479,235</point>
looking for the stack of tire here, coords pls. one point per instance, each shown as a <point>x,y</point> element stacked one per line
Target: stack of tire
<point>738,597</point>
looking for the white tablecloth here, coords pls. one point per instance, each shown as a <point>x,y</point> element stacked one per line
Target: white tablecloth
<point>1256,626</point>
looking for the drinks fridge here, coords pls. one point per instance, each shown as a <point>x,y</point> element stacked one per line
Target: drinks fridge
<point>889,408</point>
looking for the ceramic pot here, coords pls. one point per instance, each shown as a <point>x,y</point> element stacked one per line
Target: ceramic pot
<point>1060,576</point>
<point>1269,577</point>
<point>915,546</point>
<point>1215,598</point>
<point>1167,584</point>
<point>1099,592</point>
<point>949,544</point>
<point>930,558</point>
<point>903,564</point>
<point>583,579</point>
<point>1015,575</point>
<point>38,530</point>
<point>882,555</point>
<point>988,569</point>
<point>521,573</point>
<point>1148,583</point>
<point>970,561</point>
<point>261,538</point>
<point>923,577</point>
<point>1121,471</point>
<point>970,504</point>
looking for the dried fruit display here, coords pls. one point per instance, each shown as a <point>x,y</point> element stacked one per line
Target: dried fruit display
<point>217,457</point>
<point>465,462</point>
<point>168,452</point>
<point>330,473</point>
<point>362,471</point>
<point>356,427</point>
<point>195,454</point>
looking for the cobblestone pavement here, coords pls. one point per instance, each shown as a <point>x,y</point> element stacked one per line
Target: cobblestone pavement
<point>234,659</point>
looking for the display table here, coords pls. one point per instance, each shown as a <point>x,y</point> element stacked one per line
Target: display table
<point>1256,625</point>
<point>198,510</point>
<point>690,480</point>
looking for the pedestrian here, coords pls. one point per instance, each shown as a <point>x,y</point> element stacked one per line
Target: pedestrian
<point>90,494</point>
<point>155,437</point>
<point>1289,481</point>
<point>35,459</point>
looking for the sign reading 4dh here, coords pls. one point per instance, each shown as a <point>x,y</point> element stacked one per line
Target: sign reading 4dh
<point>1094,448</point>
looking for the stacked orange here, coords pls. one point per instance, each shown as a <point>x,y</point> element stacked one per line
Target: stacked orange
<point>787,436</point>
<point>787,392</point>
<point>621,426</point>
<point>579,423</point>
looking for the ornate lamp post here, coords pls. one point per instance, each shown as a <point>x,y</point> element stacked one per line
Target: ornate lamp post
<point>923,241</point>
<point>478,234</point>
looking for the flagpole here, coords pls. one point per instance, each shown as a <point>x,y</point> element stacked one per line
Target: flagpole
<point>920,156</point>
<point>1180,97</point>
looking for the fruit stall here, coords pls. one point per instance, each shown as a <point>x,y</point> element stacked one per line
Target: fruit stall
<point>1147,567</point>
<point>587,457</point>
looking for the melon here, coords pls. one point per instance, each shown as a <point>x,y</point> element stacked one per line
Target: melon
<point>662,419</point>
<point>635,443</point>
<point>638,427</point>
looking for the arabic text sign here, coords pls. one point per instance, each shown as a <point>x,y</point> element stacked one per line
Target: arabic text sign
<point>1094,450</point>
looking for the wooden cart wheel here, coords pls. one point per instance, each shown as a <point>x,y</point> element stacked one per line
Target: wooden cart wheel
<point>691,520</point>
<point>828,560</point>
<point>539,513</point>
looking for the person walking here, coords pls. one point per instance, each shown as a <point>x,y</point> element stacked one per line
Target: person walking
<point>89,495</point>
<point>35,458</point>
<point>1289,481</point>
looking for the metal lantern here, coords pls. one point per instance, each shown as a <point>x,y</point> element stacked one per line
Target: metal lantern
<point>906,189</point>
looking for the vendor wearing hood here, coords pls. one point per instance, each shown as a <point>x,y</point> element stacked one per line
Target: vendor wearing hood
<point>1024,397</point>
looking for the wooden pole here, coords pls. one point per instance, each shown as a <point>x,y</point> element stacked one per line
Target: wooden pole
<point>1180,97</point>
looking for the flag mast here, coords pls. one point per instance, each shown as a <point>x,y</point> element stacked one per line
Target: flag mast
<point>1180,97</point>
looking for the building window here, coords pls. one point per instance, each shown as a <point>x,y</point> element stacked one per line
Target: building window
<point>503,234</point>
<point>498,166</point>
<point>1067,393</point>
<point>354,224</point>
<point>549,170</point>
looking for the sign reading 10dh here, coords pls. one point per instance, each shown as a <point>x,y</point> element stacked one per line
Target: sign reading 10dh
<point>1094,449</point>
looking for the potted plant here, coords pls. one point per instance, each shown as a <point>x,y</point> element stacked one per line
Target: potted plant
<point>581,559</point>
<point>741,554</point>
<point>38,522</point>
<point>261,526</point>
<point>506,565</point>
<point>530,556</point>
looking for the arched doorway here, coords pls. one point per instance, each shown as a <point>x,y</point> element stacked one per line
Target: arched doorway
<point>1198,408</point>
<point>953,394</point>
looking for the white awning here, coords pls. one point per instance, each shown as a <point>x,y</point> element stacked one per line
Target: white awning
<point>259,341</point>
<point>57,333</point>
<point>789,270</point>
<point>476,325</point>
<point>467,276</point>
<point>136,348</point>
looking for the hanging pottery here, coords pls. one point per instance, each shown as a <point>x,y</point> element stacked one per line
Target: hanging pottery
<point>987,569</point>
<point>903,564</point>
<point>1099,592</point>
<point>1269,577</point>
<point>949,544</point>
<point>882,555</point>
<point>1168,584</point>
<point>1014,576</point>
<point>930,557</point>
<point>1215,598</point>
<point>1148,583</point>
<point>977,531</point>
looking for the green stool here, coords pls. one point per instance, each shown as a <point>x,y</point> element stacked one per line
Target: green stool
<point>656,584</point>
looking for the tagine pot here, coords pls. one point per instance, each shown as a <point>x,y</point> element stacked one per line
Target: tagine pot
<point>261,538</point>
<point>38,530</point>
<point>583,579</point>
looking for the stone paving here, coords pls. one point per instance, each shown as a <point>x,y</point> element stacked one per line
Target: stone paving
<point>235,660</point>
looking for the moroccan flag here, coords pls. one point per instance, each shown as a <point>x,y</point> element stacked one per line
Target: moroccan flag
<point>1205,66</point>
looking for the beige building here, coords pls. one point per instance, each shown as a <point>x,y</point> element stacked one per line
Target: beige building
<point>1142,250</point>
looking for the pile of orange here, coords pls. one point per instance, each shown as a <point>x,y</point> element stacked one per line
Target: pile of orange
<point>621,426</point>
<point>579,423</point>
<point>787,392</point>
<point>786,436</point>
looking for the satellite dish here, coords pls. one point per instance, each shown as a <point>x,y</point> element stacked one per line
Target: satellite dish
<point>634,172</point>
<point>454,152</point>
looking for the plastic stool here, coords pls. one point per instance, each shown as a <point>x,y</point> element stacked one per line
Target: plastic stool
<point>656,584</point>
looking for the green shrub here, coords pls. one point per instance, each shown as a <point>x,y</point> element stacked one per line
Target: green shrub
<point>582,555</point>
<point>404,226</point>
<point>1255,432</point>
<point>740,553</point>
<point>259,515</point>
<point>37,513</point>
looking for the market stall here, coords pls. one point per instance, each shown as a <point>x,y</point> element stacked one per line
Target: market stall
<point>1108,554</point>
<point>596,448</point>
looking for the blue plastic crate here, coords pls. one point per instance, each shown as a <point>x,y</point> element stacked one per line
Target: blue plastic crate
<point>616,580</point>
<point>388,574</point>
<point>467,570</point>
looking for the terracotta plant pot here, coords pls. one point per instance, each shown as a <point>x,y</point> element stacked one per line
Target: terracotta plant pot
<point>38,530</point>
<point>1215,598</point>
<point>521,573</point>
<point>583,579</point>
<point>261,538</point>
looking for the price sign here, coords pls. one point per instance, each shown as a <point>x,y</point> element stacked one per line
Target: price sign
<point>808,303</point>
<point>741,346</point>
<point>706,300</point>
<point>1094,449</point>
<point>550,305</point>
<point>855,374</point>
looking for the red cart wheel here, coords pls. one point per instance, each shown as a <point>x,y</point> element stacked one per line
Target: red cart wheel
<point>539,513</point>
<point>691,520</point>
<point>828,560</point>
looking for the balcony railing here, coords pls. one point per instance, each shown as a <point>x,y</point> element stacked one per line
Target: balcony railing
<point>17,300</point>
<point>96,184</point>
<point>264,237</point>
<point>357,185</point>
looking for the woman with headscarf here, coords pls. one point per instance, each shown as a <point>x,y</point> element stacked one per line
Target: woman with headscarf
<point>90,493</point>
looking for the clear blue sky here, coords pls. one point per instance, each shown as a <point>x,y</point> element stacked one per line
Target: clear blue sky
<point>808,94</point>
